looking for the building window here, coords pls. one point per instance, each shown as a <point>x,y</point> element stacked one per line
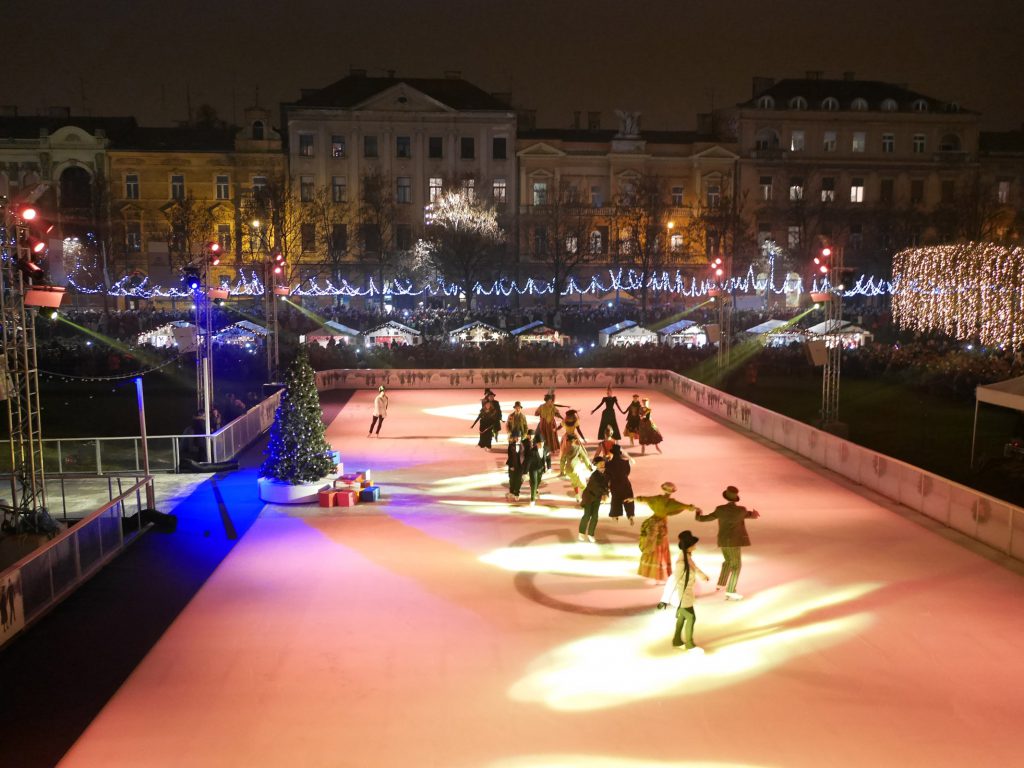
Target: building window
<point>1003,191</point>
<point>339,189</point>
<point>856,236</point>
<point>885,190</point>
<point>919,105</point>
<point>919,144</point>
<point>434,189</point>
<point>224,238</point>
<point>222,188</point>
<point>306,189</point>
<point>829,144</point>
<point>859,143</point>
<point>339,238</point>
<point>675,242</point>
<point>469,189</point>
<point>178,187</point>
<point>793,236</point>
<point>596,241</point>
<point>828,189</point>
<point>259,183</point>
<point>766,188</point>
<point>798,103</point>
<point>435,147</point>
<point>540,193</point>
<point>306,147</point>
<point>257,130</point>
<point>307,236</point>
<point>403,189</point>
<point>857,190</point>
<point>889,105</point>
<point>948,190</point>
<point>499,191</point>
<point>766,102</point>
<point>764,232</point>
<point>403,237</point>
<point>796,188</point>
<point>131,186</point>
<point>950,142</point>
<point>766,139</point>
<point>916,191</point>
<point>337,146</point>
<point>369,146</point>
<point>572,244</point>
<point>796,141</point>
<point>714,195</point>
<point>403,147</point>
<point>677,197</point>
<point>467,148</point>
<point>540,241</point>
<point>859,105</point>
<point>596,196</point>
<point>831,104</point>
<point>888,143</point>
<point>133,236</point>
<point>499,148</point>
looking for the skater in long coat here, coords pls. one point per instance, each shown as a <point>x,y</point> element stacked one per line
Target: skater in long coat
<point>516,463</point>
<point>732,536</point>
<point>655,558</point>
<point>633,413</point>
<point>516,420</point>
<point>608,420</point>
<point>649,434</point>
<point>487,419</point>
<point>618,482</point>
<point>547,427</point>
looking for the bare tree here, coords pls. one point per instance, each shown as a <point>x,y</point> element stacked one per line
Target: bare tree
<point>559,233</point>
<point>331,220</point>
<point>272,220</point>
<point>461,238</point>
<point>377,217</point>
<point>190,228</point>
<point>642,213</point>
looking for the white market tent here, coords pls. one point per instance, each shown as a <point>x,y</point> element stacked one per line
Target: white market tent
<point>1006,394</point>
<point>341,334</point>
<point>477,332</point>
<point>767,326</point>
<point>778,333</point>
<point>393,332</point>
<point>683,333</point>
<point>179,333</point>
<point>625,334</point>
<point>850,335</point>
<point>538,333</point>
<point>241,333</point>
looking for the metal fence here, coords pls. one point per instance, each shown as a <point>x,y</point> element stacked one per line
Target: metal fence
<point>40,580</point>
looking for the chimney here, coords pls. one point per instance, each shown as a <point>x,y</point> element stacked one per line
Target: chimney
<point>848,76</point>
<point>8,110</point>
<point>762,84</point>
<point>453,74</point>
<point>357,72</point>
<point>814,74</point>
<point>576,119</point>
<point>62,113</point>
<point>593,121</point>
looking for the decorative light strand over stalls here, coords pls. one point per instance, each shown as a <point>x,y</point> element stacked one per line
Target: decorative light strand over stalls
<point>971,291</point>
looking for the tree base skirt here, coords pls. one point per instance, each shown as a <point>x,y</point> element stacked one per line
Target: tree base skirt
<point>275,492</point>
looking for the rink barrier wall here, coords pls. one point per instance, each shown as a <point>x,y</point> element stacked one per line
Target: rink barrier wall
<point>986,519</point>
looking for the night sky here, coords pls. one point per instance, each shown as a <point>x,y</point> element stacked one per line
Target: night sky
<point>668,60</point>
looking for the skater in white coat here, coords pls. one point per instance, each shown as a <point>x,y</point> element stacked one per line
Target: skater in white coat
<point>380,410</point>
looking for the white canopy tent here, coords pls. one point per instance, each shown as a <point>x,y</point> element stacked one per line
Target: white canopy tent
<point>624,334</point>
<point>684,333</point>
<point>393,332</point>
<point>1006,394</point>
<point>477,332</point>
<point>843,331</point>
<point>341,334</point>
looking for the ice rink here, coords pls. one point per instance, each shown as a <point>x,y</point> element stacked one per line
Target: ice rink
<point>445,627</point>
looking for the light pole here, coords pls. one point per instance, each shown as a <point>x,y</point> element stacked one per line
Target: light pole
<point>829,265</point>
<point>722,296</point>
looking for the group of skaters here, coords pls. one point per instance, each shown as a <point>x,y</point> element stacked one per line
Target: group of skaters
<point>604,476</point>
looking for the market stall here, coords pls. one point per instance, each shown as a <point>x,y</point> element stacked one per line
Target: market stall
<point>477,333</point>
<point>331,330</point>
<point>840,331</point>
<point>626,334</point>
<point>538,333</point>
<point>683,333</point>
<point>241,334</point>
<point>178,333</point>
<point>391,334</point>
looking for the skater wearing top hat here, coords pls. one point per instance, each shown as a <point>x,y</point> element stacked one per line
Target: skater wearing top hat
<point>680,591</point>
<point>732,536</point>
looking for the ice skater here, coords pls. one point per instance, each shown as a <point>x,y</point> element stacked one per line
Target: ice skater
<point>680,591</point>
<point>595,491</point>
<point>547,427</point>
<point>732,536</point>
<point>576,464</point>
<point>633,412</point>
<point>535,465</point>
<point>573,432</point>
<point>655,558</point>
<point>516,420</point>
<point>618,468</point>
<point>380,410</point>
<point>649,434</point>
<point>488,420</point>
<point>516,463</point>
<point>608,420</point>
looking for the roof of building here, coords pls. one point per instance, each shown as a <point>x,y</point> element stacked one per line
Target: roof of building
<point>392,325</point>
<point>679,325</point>
<point>123,132</point>
<point>30,126</point>
<point>815,91</point>
<point>605,135</point>
<point>618,327</point>
<point>537,326</point>
<point>353,90</point>
<point>1001,141</point>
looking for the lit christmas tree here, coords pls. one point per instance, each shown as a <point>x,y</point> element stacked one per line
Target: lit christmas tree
<point>298,451</point>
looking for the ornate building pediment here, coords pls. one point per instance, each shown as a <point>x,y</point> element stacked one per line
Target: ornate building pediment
<point>402,98</point>
<point>540,149</point>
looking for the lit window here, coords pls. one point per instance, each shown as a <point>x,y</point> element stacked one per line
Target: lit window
<point>499,191</point>
<point>131,186</point>
<point>434,188</point>
<point>857,191</point>
<point>676,242</point>
<point>224,238</point>
<point>796,188</point>
<point>766,187</point>
<point>860,141</point>
<point>793,236</point>
<point>337,146</point>
<point>829,142</point>
<point>796,141</point>
<point>1003,191</point>
<point>178,187</point>
<point>540,193</point>
<point>596,242</point>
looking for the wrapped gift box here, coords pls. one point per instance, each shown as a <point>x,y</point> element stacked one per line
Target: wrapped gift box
<point>327,498</point>
<point>345,498</point>
<point>370,493</point>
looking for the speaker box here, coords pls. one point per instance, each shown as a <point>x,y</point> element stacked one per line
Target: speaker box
<point>817,352</point>
<point>713,332</point>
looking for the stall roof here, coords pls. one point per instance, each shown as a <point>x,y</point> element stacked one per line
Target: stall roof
<point>769,325</point>
<point>536,325</point>
<point>618,327</point>
<point>246,325</point>
<point>843,327</point>
<point>480,324</point>
<point>392,324</point>
<point>332,328</point>
<point>676,327</point>
<point>1009,393</point>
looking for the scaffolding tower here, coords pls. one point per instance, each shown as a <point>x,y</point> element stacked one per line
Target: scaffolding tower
<point>25,510</point>
<point>834,349</point>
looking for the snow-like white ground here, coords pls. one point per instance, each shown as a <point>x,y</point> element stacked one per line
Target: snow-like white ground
<point>443,627</point>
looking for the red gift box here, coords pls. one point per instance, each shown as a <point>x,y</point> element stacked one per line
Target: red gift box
<point>327,498</point>
<point>345,498</point>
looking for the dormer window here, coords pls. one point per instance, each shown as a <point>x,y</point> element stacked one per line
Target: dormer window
<point>798,102</point>
<point>766,102</point>
<point>952,107</point>
<point>920,105</point>
<point>859,105</point>
<point>257,130</point>
<point>889,105</point>
<point>831,104</point>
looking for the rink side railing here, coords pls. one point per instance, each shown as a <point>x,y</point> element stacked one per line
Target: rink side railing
<point>44,577</point>
<point>977,515</point>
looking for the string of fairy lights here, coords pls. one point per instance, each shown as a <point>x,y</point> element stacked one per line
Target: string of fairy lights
<point>969,291</point>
